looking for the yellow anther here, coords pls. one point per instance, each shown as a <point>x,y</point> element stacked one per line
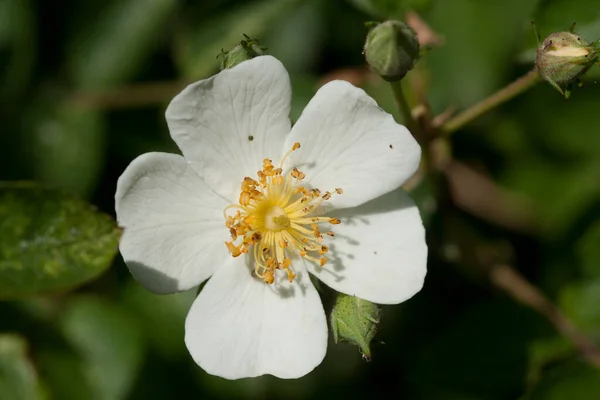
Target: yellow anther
<point>269,277</point>
<point>233,249</point>
<point>291,275</point>
<point>274,217</point>
<point>297,174</point>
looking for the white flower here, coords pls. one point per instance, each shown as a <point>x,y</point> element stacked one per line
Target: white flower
<point>209,214</point>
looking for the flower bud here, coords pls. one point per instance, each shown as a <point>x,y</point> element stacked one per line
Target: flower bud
<point>355,321</point>
<point>246,50</point>
<point>563,57</point>
<point>391,49</point>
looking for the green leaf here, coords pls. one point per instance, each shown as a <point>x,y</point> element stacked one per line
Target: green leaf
<point>50,241</point>
<point>117,42</point>
<point>573,380</point>
<point>545,351</point>
<point>355,320</point>
<point>65,145</point>
<point>579,302</point>
<point>18,379</point>
<point>199,44</point>
<point>108,342</point>
<point>64,373</point>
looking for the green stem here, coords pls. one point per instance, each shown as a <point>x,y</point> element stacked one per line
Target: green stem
<point>403,106</point>
<point>517,87</point>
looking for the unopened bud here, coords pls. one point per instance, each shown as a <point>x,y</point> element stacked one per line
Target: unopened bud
<point>246,50</point>
<point>355,320</point>
<point>391,49</point>
<point>564,57</point>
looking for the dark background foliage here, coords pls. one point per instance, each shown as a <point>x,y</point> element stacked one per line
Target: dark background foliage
<point>84,88</point>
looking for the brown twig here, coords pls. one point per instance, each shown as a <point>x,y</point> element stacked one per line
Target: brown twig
<point>478,195</point>
<point>137,95</point>
<point>508,92</point>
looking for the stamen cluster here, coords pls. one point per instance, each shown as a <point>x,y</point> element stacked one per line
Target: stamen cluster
<point>278,217</point>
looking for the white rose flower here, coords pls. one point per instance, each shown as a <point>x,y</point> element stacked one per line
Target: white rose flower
<point>209,213</point>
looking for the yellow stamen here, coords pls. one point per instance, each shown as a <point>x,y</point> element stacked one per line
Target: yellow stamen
<point>274,217</point>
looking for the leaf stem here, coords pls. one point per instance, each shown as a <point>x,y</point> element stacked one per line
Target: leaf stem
<point>513,89</point>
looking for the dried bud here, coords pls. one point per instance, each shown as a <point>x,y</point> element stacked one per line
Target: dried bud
<point>563,57</point>
<point>391,49</point>
<point>246,50</point>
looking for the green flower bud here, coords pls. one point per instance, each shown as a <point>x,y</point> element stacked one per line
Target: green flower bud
<point>246,50</point>
<point>391,49</point>
<point>564,57</point>
<point>355,320</point>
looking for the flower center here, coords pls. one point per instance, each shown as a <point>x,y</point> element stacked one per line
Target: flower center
<point>278,217</point>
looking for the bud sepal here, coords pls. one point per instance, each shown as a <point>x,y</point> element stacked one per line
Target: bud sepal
<point>245,50</point>
<point>564,57</point>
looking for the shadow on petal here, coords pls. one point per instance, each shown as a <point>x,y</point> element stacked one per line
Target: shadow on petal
<point>156,281</point>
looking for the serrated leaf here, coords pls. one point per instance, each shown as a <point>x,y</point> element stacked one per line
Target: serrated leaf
<point>355,320</point>
<point>18,379</point>
<point>117,42</point>
<point>50,241</point>
<point>109,344</point>
<point>199,44</point>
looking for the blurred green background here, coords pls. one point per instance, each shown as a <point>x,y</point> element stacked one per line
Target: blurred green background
<point>84,88</point>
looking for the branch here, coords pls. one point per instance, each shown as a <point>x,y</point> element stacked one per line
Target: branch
<point>517,87</point>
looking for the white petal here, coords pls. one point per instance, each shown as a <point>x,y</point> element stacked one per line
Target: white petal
<point>379,252</point>
<point>349,142</point>
<point>174,230</point>
<point>241,327</point>
<point>227,124</point>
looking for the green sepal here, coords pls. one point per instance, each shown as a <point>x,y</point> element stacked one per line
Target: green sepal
<point>355,320</point>
<point>247,49</point>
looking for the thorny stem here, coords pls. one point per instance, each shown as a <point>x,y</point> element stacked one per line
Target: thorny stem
<point>518,288</point>
<point>508,92</point>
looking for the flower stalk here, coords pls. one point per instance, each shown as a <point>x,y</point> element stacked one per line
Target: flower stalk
<point>514,89</point>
